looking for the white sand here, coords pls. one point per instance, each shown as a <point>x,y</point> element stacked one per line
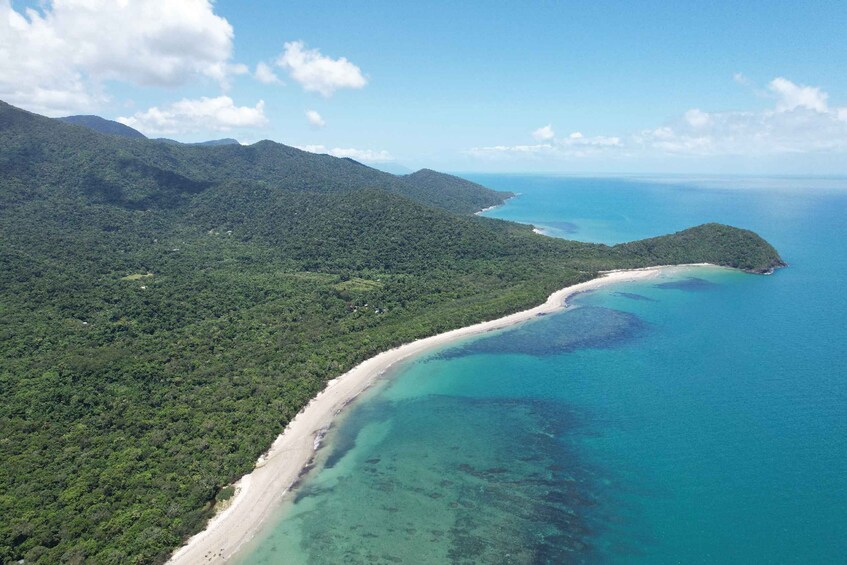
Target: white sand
<point>259,493</point>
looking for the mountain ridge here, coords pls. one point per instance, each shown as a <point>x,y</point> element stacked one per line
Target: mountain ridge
<point>104,126</point>
<point>266,161</point>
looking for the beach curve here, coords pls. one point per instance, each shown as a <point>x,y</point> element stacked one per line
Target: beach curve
<point>260,492</point>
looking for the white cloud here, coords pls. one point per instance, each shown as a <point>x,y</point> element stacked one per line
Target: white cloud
<point>791,96</point>
<point>313,148</point>
<point>364,155</point>
<point>697,118</point>
<point>54,59</point>
<point>265,74</point>
<point>741,79</point>
<point>545,133</point>
<point>801,122</point>
<point>318,73</point>
<point>203,114</point>
<point>800,130</point>
<point>315,119</point>
<point>575,145</point>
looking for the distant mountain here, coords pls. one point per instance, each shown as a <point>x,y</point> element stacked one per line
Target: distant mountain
<point>103,125</point>
<point>224,141</point>
<point>111,127</point>
<point>131,174</point>
<point>213,142</point>
<point>393,168</point>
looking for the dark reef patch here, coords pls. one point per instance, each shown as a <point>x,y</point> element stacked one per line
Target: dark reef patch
<point>587,327</point>
<point>345,438</point>
<point>690,284</point>
<point>528,493</point>
<point>564,227</point>
<point>634,296</point>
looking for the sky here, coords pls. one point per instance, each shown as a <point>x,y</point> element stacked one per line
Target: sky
<point>747,87</point>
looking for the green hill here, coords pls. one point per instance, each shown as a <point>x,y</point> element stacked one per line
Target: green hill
<point>167,309</point>
<point>103,125</point>
<point>139,173</point>
<point>454,192</point>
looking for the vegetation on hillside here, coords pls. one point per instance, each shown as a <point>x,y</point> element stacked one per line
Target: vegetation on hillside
<point>102,125</point>
<point>166,310</point>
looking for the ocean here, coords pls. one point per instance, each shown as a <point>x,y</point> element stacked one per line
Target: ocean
<point>700,417</point>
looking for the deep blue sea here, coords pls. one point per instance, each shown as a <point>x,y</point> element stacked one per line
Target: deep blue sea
<point>696,418</point>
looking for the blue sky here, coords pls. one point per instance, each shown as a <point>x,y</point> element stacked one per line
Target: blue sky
<point>740,87</point>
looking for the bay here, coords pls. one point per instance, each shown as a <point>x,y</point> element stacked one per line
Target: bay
<point>697,418</point>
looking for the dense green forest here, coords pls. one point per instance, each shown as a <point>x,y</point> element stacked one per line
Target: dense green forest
<point>167,309</point>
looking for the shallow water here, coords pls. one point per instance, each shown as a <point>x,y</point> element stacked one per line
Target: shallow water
<point>698,418</point>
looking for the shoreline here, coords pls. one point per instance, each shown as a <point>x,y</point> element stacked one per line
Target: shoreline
<point>488,209</point>
<point>259,492</point>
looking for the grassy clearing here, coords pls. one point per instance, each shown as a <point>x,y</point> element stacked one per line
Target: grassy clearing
<point>357,284</point>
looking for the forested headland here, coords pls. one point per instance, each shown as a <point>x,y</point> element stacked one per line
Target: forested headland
<point>167,309</point>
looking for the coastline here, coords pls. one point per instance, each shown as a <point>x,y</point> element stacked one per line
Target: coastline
<point>488,209</point>
<point>260,492</point>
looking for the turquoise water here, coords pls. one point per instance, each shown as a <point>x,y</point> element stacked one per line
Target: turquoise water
<point>697,418</point>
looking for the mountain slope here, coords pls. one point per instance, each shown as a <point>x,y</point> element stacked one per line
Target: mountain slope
<point>140,173</point>
<point>223,141</point>
<point>103,125</point>
<point>457,192</point>
<point>111,127</point>
<point>167,310</point>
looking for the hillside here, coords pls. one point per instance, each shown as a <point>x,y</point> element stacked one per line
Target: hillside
<point>453,192</point>
<point>168,309</point>
<point>223,141</point>
<point>111,127</point>
<point>103,125</point>
<point>140,173</point>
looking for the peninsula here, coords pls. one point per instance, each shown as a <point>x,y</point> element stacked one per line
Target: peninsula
<point>168,310</point>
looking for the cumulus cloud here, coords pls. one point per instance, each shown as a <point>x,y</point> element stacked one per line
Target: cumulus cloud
<point>574,145</point>
<point>697,118</point>
<point>364,155</point>
<point>53,60</point>
<point>791,96</point>
<point>751,133</point>
<point>545,133</point>
<point>317,72</point>
<point>203,114</point>
<point>801,121</point>
<point>315,119</point>
<point>265,74</point>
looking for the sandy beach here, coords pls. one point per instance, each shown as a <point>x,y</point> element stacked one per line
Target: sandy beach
<point>260,492</point>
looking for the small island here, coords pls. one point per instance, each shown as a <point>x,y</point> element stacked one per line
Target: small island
<point>169,309</point>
